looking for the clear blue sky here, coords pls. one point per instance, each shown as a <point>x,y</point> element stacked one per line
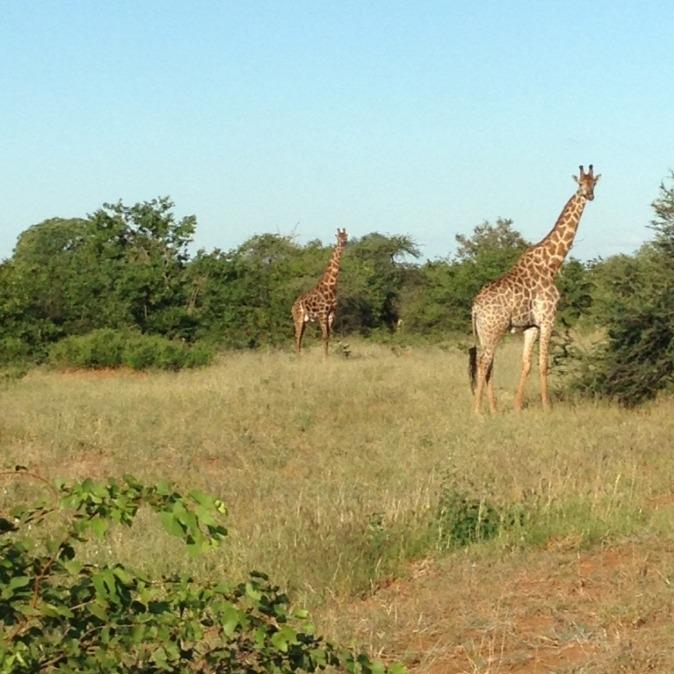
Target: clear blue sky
<point>419,118</point>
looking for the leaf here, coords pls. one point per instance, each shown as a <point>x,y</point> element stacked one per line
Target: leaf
<point>124,576</point>
<point>283,638</point>
<point>99,526</point>
<point>205,515</point>
<point>229,619</point>
<point>18,581</point>
<point>201,498</point>
<point>171,524</point>
<point>397,668</point>
<point>251,592</point>
<point>99,611</point>
<point>159,657</point>
<point>99,585</point>
<point>279,642</point>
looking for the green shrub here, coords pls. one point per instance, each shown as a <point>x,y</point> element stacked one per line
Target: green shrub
<point>62,613</point>
<point>13,350</point>
<point>463,519</point>
<point>112,348</point>
<point>97,349</point>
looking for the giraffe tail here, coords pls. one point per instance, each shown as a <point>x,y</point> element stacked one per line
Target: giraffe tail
<point>472,367</point>
<point>472,359</point>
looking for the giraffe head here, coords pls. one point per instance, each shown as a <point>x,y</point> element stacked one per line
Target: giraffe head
<point>342,237</point>
<point>586,182</point>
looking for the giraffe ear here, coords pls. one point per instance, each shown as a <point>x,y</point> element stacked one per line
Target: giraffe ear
<point>596,178</point>
<point>575,177</point>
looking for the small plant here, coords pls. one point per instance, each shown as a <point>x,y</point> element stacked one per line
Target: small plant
<point>60,614</point>
<point>463,519</point>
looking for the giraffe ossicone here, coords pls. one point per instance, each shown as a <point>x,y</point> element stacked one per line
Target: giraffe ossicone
<point>320,303</point>
<point>525,298</point>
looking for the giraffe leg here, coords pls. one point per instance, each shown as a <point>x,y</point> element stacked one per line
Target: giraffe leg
<point>546,334</point>
<point>484,365</point>
<point>325,333</point>
<point>530,337</point>
<point>300,325</point>
<point>491,396</point>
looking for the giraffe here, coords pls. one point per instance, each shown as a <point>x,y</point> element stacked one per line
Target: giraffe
<point>320,303</point>
<point>526,299</point>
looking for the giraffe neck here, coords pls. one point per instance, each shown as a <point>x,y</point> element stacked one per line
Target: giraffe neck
<point>556,245</point>
<point>331,272</point>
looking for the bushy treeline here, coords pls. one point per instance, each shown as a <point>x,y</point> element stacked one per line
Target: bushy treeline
<point>129,269</point>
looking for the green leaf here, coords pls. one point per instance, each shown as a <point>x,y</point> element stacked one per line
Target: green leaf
<point>253,593</point>
<point>18,581</point>
<point>171,524</point>
<point>99,526</point>
<point>285,636</point>
<point>201,498</point>
<point>397,668</point>
<point>279,642</point>
<point>229,618</point>
<point>99,611</point>
<point>159,658</point>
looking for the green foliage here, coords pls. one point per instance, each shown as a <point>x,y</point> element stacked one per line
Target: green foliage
<point>575,285</point>
<point>13,350</point>
<point>128,268</point>
<point>121,267</point>
<point>463,519</point>
<point>242,298</point>
<point>60,613</point>
<point>375,270</point>
<point>108,348</point>
<point>439,297</point>
<point>635,304</point>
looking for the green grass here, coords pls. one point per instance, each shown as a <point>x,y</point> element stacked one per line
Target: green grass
<point>335,472</point>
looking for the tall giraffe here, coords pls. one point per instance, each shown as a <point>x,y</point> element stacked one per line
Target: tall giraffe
<point>526,299</point>
<point>320,303</point>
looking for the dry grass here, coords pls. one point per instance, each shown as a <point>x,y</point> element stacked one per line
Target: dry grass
<point>333,471</point>
<point>606,610</point>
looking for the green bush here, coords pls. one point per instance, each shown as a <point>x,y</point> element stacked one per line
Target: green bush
<point>112,348</point>
<point>463,519</point>
<point>13,350</point>
<point>97,349</point>
<point>62,613</point>
<point>636,359</point>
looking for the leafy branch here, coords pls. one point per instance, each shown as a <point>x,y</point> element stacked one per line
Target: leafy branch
<point>60,614</point>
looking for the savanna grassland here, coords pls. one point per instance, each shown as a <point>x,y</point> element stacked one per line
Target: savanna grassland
<point>524,542</point>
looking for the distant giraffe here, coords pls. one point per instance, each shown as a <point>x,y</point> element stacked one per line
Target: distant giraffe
<point>320,303</point>
<point>526,299</point>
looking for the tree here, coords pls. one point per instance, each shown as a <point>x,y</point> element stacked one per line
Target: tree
<point>120,267</point>
<point>575,285</point>
<point>242,298</point>
<point>36,306</point>
<point>375,270</point>
<point>637,304</point>
<point>491,240</point>
<point>444,289</point>
<point>141,252</point>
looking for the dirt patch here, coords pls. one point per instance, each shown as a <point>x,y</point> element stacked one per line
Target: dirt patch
<point>608,610</point>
